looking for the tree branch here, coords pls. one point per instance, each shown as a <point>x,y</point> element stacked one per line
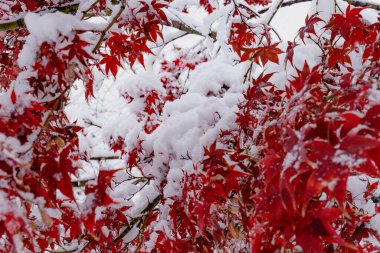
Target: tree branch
<point>100,158</point>
<point>122,7</point>
<point>353,2</point>
<point>140,219</point>
<point>20,23</point>
<point>72,9</point>
<point>286,4</point>
<point>363,4</point>
<point>274,11</point>
<point>182,27</point>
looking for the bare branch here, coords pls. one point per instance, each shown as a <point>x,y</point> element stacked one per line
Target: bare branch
<point>182,27</point>
<point>274,11</point>
<point>147,211</point>
<point>363,4</point>
<point>100,158</point>
<point>122,7</point>
<point>286,4</point>
<point>20,23</point>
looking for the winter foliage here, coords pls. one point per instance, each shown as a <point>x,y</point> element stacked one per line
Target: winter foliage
<point>188,126</point>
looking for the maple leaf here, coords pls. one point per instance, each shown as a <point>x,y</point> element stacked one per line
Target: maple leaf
<point>77,49</point>
<point>89,90</point>
<point>31,5</point>
<point>65,168</point>
<point>111,64</point>
<point>299,81</point>
<point>351,120</point>
<point>309,26</point>
<point>158,6</point>
<point>372,117</point>
<point>246,55</point>
<point>104,181</point>
<point>290,52</point>
<point>357,143</point>
<point>105,177</point>
<point>337,55</point>
<point>117,42</point>
<point>232,177</point>
<point>214,155</point>
<point>65,186</point>
<point>267,53</point>
<point>206,5</point>
<point>371,188</point>
<point>344,24</point>
<point>13,96</point>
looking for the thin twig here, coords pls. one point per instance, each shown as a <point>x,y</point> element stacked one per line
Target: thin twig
<point>45,126</point>
<point>134,221</point>
<point>248,73</point>
<point>103,34</point>
<point>354,3</point>
<point>100,158</point>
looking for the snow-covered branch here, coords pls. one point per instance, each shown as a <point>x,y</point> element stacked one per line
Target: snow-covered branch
<point>72,9</point>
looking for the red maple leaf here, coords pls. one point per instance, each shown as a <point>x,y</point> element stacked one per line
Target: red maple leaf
<point>267,53</point>
<point>111,64</point>
<point>309,26</point>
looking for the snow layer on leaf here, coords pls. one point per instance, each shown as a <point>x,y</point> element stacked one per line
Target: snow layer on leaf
<point>210,77</point>
<point>46,27</point>
<point>347,160</point>
<point>135,85</point>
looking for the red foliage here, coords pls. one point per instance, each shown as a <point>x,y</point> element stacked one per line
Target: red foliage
<point>278,181</point>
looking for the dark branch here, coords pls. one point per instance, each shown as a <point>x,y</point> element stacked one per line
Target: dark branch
<point>363,4</point>
<point>72,9</point>
<point>286,4</point>
<point>134,221</point>
<point>100,158</point>
<point>97,46</point>
<point>20,23</point>
<point>182,27</point>
<point>354,3</point>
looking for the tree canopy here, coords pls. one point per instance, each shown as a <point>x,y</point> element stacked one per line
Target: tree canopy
<point>189,126</point>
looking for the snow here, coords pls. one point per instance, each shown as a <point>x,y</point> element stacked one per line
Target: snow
<point>191,123</point>
<point>289,160</point>
<point>195,120</point>
<point>347,160</point>
<point>295,18</point>
<point>268,16</point>
<point>136,85</point>
<point>47,27</point>
<point>211,76</point>
<point>132,234</point>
